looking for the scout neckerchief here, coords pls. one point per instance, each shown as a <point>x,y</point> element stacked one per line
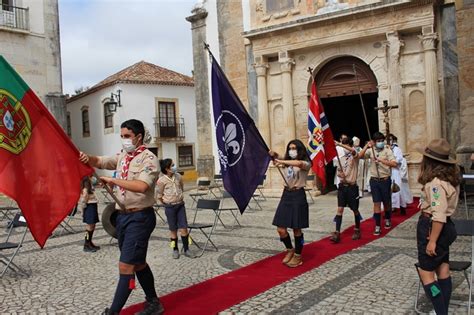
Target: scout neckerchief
<point>127,159</point>
<point>174,181</point>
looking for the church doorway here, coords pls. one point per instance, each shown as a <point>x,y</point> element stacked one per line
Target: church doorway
<point>338,91</point>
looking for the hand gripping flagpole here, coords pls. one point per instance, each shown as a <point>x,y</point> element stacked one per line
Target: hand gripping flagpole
<point>206,47</point>
<point>365,119</point>
<point>109,190</point>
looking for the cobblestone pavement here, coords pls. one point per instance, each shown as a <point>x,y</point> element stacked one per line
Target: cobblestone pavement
<point>378,278</point>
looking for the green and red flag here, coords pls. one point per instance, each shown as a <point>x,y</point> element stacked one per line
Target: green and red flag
<point>39,165</point>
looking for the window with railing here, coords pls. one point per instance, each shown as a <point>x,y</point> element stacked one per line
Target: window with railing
<point>12,16</point>
<point>167,124</point>
<point>185,156</point>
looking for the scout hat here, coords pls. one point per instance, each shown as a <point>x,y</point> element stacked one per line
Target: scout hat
<point>438,149</point>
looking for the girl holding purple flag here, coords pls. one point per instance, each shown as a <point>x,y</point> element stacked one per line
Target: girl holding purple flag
<point>292,211</point>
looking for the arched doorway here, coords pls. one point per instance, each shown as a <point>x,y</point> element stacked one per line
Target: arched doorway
<point>338,91</point>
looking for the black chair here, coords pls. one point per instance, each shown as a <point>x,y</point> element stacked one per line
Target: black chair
<point>157,207</point>
<point>463,228</point>
<point>261,186</point>
<point>232,210</point>
<point>11,249</point>
<point>203,190</point>
<point>205,204</point>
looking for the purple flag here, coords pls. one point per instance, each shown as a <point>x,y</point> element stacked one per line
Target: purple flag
<point>243,154</point>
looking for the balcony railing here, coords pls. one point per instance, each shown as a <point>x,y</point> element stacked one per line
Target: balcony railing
<point>14,17</point>
<point>166,131</point>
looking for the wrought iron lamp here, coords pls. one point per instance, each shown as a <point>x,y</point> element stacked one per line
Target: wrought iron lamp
<point>112,104</point>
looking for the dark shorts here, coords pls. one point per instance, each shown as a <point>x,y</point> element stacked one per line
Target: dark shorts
<point>176,215</point>
<point>381,190</point>
<point>348,196</point>
<point>90,214</point>
<point>292,211</point>
<point>133,233</point>
<point>445,239</point>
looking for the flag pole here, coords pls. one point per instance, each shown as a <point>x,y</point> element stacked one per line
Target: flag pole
<point>365,118</point>
<point>206,47</point>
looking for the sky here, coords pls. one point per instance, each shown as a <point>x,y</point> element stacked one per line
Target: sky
<point>102,37</point>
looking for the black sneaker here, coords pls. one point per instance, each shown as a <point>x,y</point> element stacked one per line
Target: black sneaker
<point>88,248</point>
<point>153,307</point>
<point>335,237</point>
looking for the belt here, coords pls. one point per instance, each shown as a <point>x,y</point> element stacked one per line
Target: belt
<point>425,214</point>
<point>133,210</point>
<point>347,184</point>
<point>293,188</point>
<point>380,179</point>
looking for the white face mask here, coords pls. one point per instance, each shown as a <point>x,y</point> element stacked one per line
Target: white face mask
<point>128,146</point>
<point>293,154</point>
<point>174,169</point>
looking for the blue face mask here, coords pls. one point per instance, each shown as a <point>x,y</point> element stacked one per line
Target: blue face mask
<point>380,145</point>
<point>174,169</point>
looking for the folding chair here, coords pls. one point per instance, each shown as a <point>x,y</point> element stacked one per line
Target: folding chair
<point>202,191</point>
<point>218,182</point>
<point>66,227</point>
<point>226,195</point>
<point>255,199</point>
<point>7,259</point>
<point>463,228</point>
<point>157,207</point>
<point>308,190</point>
<point>205,204</point>
<point>261,186</point>
<point>467,190</point>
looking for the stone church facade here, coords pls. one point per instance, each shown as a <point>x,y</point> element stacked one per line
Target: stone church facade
<point>413,55</point>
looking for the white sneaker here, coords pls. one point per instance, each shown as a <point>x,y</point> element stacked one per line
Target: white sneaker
<point>377,231</point>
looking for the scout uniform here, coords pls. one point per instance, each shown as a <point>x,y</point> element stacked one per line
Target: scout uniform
<point>380,182</point>
<point>438,202</point>
<point>135,224</point>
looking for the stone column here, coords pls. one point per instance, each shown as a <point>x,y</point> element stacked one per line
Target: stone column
<point>398,126</point>
<point>287,99</point>
<point>263,115</point>
<point>205,159</point>
<point>433,108</point>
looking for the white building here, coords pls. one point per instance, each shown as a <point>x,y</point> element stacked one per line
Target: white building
<point>29,41</point>
<point>162,99</point>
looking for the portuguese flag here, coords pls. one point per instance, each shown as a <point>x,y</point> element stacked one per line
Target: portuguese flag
<point>39,165</point>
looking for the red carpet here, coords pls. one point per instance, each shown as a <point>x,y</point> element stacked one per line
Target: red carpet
<point>220,293</point>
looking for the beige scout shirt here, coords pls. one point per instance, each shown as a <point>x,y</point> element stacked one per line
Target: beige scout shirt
<point>296,177</point>
<point>385,154</point>
<point>170,189</point>
<point>143,167</point>
<point>439,198</point>
<point>350,167</point>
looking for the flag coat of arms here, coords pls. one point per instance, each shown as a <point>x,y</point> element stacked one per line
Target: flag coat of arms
<point>321,145</point>
<point>39,165</point>
<point>242,152</point>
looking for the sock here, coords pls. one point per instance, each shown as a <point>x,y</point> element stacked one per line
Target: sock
<point>433,292</point>
<point>338,220</point>
<point>299,241</point>
<point>124,288</point>
<point>377,218</point>
<point>185,241</point>
<point>357,219</point>
<point>90,233</point>
<point>287,241</point>
<point>446,286</point>
<point>147,281</point>
<point>388,213</point>
<point>174,243</point>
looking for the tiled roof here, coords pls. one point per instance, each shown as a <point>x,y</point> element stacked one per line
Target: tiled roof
<point>140,73</point>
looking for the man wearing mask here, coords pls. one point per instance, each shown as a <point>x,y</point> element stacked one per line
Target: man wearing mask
<point>137,170</point>
<point>344,139</point>
<point>382,159</point>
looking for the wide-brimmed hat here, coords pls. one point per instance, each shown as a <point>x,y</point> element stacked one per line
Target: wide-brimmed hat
<point>439,149</point>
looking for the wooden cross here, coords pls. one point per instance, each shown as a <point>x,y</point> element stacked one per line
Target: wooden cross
<point>385,109</point>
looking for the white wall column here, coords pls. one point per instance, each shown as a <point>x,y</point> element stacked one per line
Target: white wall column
<point>286,66</point>
<point>433,107</point>
<point>263,115</point>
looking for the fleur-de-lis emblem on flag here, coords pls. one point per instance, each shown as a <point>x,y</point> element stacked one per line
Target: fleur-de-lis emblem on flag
<point>230,133</point>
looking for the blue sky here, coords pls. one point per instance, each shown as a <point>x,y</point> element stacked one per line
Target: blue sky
<point>101,37</point>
